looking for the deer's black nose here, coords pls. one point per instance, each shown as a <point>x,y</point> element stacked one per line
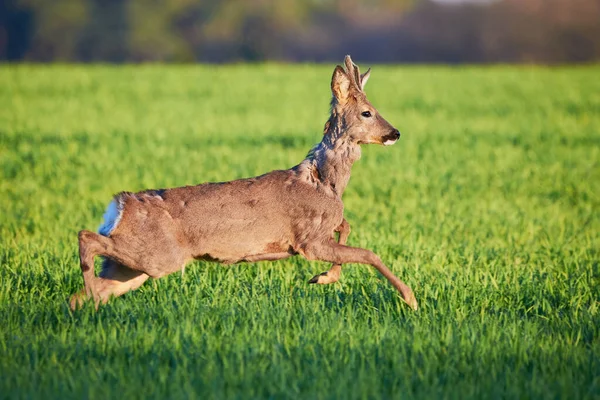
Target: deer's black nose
<point>391,137</point>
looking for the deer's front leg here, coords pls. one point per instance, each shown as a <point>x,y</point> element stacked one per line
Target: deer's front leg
<point>341,254</point>
<point>333,275</point>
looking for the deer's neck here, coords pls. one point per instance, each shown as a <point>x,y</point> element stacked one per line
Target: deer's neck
<point>332,159</point>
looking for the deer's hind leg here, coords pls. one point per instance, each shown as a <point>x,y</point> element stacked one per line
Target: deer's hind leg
<point>88,249</point>
<point>333,275</point>
<point>122,270</point>
<point>114,280</point>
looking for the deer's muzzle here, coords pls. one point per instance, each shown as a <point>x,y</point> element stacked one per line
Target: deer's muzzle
<point>390,138</point>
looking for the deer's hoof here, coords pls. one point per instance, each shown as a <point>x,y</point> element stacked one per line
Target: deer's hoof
<point>323,279</point>
<point>77,301</point>
<point>412,302</point>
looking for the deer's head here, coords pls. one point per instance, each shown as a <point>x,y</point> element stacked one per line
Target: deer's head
<point>352,115</point>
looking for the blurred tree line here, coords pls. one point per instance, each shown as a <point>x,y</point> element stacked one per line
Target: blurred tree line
<point>544,31</point>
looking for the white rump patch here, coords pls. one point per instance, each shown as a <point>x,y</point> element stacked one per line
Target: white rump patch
<point>112,216</point>
<point>389,142</point>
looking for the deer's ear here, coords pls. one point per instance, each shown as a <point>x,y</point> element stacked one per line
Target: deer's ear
<point>364,78</point>
<point>340,84</point>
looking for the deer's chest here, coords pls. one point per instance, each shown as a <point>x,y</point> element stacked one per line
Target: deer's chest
<point>317,220</point>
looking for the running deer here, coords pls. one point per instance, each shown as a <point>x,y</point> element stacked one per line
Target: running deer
<point>270,217</point>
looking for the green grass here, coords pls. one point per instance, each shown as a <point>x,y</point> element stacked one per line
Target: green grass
<point>488,207</point>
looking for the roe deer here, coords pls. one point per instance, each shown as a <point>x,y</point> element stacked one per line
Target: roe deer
<point>270,217</point>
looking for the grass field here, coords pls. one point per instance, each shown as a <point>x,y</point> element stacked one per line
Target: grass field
<point>488,207</point>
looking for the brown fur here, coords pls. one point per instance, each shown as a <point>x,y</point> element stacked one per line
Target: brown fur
<point>269,217</point>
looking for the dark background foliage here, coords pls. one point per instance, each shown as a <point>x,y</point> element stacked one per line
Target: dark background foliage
<point>409,31</point>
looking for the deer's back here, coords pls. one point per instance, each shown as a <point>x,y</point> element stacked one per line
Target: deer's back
<point>231,221</point>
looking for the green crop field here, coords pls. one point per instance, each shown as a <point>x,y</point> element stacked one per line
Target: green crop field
<point>488,207</point>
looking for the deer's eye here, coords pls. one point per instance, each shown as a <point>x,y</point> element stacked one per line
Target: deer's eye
<point>366,114</point>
